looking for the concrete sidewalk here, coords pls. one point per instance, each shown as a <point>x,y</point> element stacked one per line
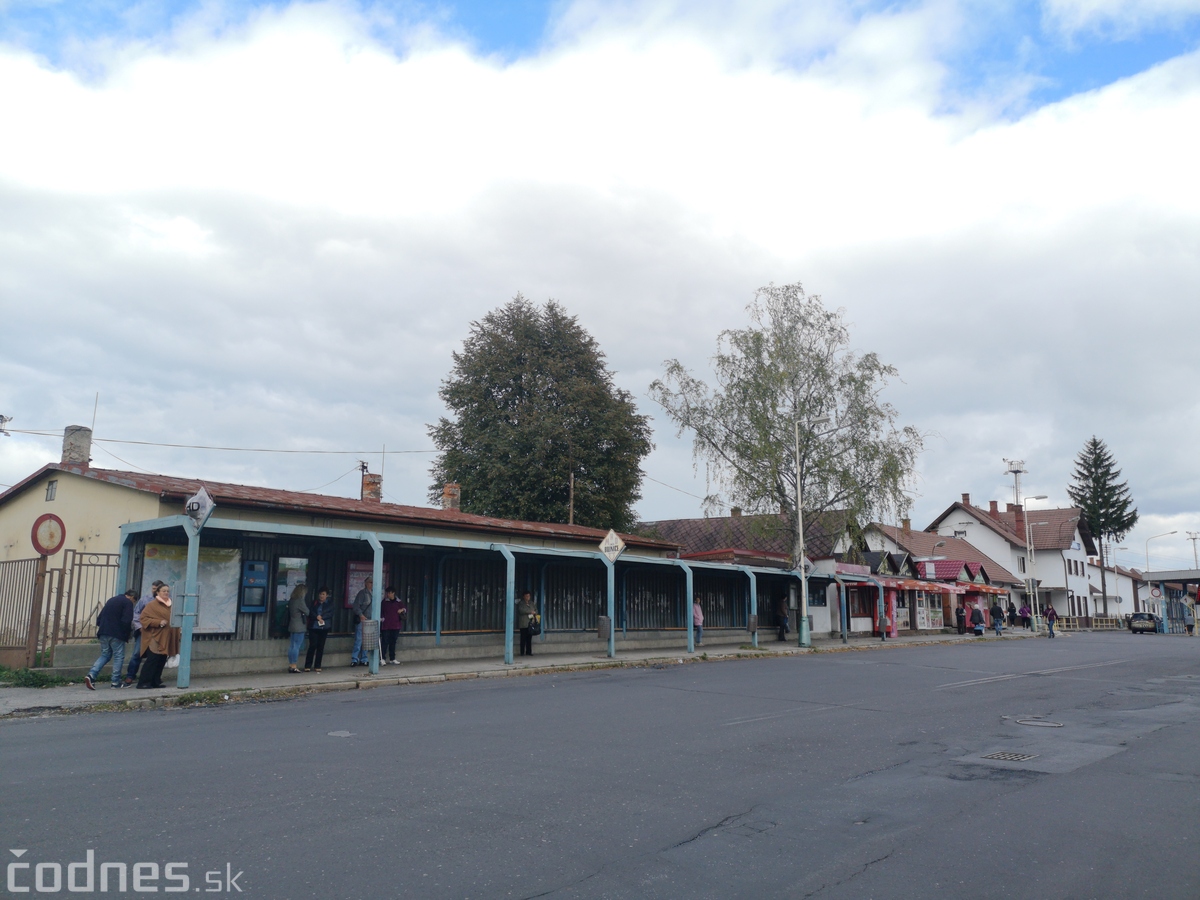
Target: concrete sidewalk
<point>18,701</point>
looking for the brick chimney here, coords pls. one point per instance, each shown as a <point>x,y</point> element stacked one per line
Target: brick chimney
<point>372,488</point>
<point>451,495</point>
<point>77,445</point>
<point>1018,518</point>
<point>735,512</point>
<point>966,499</point>
<point>906,525</point>
<point>994,509</point>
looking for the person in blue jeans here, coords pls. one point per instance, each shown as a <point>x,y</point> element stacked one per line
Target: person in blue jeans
<point>1051,617</point>
<point>297,616</point>
<point>112,628</point>
<point>362,611</point>
<point>698,621</point>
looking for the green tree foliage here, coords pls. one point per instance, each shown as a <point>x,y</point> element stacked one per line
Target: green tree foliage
<point>1106,503</point>
<point>793,364</point>
<point>532,401</point>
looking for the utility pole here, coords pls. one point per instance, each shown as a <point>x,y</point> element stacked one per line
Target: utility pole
<point>1016,468</point>
<point>571,500</point>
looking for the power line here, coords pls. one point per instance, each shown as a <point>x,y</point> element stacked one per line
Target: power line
<point>229,449</point>
<point>672,487</point>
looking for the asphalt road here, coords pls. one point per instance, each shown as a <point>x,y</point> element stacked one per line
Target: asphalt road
<point>835,775</point>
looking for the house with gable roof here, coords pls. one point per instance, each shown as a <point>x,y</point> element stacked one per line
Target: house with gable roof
<point>1061,541</point>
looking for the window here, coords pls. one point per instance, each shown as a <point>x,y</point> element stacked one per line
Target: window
<point>1021,564</point>
<point>860,603</point>
<point>51,489</point>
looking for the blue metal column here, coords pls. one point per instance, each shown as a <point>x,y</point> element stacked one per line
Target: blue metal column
<point>611,572</point>
<point>542,599</point>
<point>183,676</point>
<point>510,599</point>
<point>437,612</point>
<point>753,600</point>
<point>123,566</point>
<point>376,593</point>
<point>687,605</point>
<point>625,603</point>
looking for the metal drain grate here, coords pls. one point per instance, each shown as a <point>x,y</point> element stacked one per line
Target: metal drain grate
<point>1011,757</point>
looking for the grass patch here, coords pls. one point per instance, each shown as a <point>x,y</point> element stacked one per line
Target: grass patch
<point>31,678</point>
<point>202,698</point>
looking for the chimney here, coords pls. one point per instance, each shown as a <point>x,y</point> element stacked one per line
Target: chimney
<point>735,512</point>
<point>372,488</point>
<point>77,446</point>
<point>966,499</point>
<point>451,495</point>
<point>906,525</point>
<point>994,509</point>
<point>1018,519</point>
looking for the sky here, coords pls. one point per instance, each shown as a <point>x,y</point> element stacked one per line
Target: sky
<point>269,225</point>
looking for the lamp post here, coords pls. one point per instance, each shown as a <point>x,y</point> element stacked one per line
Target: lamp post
<point>1148,540</point>
<point>1031,556</point>
<point>804,636</point>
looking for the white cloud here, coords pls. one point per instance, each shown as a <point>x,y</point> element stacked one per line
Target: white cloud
<point>1122,17</point>
<point>276,234</point>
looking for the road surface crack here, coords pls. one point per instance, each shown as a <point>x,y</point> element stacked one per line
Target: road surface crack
<point>851,876</point>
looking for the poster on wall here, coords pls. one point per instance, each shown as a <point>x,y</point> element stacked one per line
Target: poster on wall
<point>357,574</point>
<point>219,577</point>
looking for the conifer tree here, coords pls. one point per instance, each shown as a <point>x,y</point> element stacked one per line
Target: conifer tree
<point>1105,502</point>
<point>533,404</point>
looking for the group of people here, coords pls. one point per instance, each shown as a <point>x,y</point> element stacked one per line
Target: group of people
<point>998,616</point>
<point>314,620</point>
<point>148,622</point>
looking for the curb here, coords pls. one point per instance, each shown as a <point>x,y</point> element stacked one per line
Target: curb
<point>194,698</point>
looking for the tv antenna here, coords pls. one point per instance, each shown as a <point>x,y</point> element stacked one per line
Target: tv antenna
<point>4,420</point>
<point>1016,468</point>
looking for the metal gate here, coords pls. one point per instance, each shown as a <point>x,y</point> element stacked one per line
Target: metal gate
<point>21,581</point>
<point>41,608</point>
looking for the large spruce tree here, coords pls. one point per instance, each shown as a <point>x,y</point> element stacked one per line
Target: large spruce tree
<point>1105,502</point>
<point>532,403</point>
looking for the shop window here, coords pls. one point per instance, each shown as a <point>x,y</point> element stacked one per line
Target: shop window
<point>860,604</point>
<point>51,489</point>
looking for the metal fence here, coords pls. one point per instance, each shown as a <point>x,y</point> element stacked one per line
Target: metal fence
<point>576,597</point>
<point>654,600</point>
<point>78,590</point>
<point>473,597</point>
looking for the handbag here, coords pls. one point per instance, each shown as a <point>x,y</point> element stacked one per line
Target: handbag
<point>535,624</point>
<point>172,662</point>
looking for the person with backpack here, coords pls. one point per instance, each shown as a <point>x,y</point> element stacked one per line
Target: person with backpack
<point>997,614</point>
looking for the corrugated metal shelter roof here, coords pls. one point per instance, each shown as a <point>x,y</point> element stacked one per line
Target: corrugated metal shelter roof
<point>764,534</point>
<point>243,496</point>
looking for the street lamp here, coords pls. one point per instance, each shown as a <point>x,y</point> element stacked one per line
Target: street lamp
<point>1155,537</point>
<point>1148,540</point>
<point>805,636</point>
<point>1032,561</point>
<point>1116,575</point>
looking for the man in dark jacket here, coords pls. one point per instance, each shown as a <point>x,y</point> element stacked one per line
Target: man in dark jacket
<point>997,614</point>
<point>112,628</point>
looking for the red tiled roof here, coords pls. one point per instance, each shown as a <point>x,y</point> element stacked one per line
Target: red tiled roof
<point>955,550</point>
<point>1057,534</point>
<point>751,534</point>
<point>243,496</point>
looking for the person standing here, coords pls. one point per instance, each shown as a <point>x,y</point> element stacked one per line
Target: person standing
<point>1189,619</point>
<point>112,628</point>
<point>977,620</point>
<point>781,614</point>
<point>159,639</point>
<point>391,622</point>
<point>1012,614</point>
<point>318,630</point>
<point>131,673</point>
<point>1026,614</point>
<point>361,609</point>
<point>1051,618</point>
<point>960,619</point>
<point>297,615</point>
<point>997,614</point>
<point>526,611</point>
<point>698,621</point>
